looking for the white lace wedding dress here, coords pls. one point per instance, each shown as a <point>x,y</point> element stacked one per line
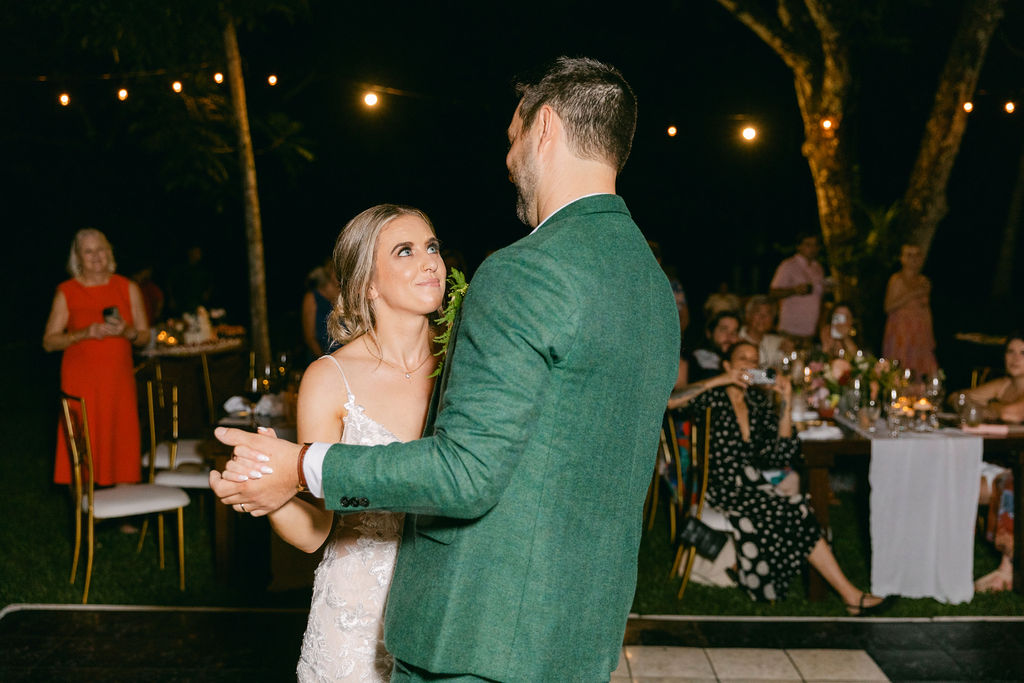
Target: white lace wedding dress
<point>344,638</point>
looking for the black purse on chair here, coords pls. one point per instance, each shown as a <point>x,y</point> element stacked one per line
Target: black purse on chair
<point>705,540</point>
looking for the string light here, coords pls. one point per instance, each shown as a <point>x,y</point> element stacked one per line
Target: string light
<point>1009,107</point>
<point>749,133</point>
<point>122,94</point>
<point>370,99</point>
<point>968,107</point>
<point>272,79</point>
<point>218,77</point>
<point>176,86</point>
<point>672,131</point>
<point>826,124</point>
<point>64,99</point>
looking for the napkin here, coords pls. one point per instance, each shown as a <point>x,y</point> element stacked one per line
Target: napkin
<point>236,404</point>
<point>804,414</point>
<point>270,405</point>
<point>821,433</point>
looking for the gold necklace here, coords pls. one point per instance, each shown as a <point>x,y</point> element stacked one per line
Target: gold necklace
<point>408,373</point>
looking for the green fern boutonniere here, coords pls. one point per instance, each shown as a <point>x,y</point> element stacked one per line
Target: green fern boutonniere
<point>457,287</point>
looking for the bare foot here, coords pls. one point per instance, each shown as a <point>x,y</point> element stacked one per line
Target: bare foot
<point>993,582</point>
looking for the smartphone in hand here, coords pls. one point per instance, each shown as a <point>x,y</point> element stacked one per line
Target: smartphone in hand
<point>111,315</point>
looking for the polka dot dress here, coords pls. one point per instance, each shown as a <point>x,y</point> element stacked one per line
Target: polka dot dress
<point>773,533</point>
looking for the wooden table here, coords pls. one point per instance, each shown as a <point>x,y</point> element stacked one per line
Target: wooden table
<point>224,516</point>
<point>821,456</point>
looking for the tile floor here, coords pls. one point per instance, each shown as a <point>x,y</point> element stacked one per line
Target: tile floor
<point>41,643</point>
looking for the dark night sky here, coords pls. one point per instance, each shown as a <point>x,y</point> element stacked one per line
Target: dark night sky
<point>722,210</point>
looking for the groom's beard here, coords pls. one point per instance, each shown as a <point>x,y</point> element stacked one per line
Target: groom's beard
<point>524,177</point>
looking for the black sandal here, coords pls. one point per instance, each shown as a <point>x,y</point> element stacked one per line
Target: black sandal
<point>860,610</point>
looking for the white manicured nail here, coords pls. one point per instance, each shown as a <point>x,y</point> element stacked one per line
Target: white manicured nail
<point>255,475</point>
<point>266,470</point>
<point>262,458</point>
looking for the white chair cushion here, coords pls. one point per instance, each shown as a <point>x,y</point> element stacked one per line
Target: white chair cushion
<point>126,500</point>
<point>188,454</point>
<point>185,477</point>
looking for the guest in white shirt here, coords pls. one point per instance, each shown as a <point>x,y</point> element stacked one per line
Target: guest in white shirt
<point>758,328</point>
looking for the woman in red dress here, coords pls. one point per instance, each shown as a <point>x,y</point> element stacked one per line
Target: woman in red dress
<point>95,319</point>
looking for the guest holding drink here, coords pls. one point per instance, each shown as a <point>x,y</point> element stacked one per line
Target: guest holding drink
<point>908,329</point>
<point>836,334</point>
<point>95,319</point>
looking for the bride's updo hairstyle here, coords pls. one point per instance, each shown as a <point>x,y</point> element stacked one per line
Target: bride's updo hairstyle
<point>354,264</point>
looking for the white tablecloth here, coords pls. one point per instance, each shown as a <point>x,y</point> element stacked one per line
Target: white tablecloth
<point>924,502</point>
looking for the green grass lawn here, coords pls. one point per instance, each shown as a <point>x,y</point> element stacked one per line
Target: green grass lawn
<point>36,536</point>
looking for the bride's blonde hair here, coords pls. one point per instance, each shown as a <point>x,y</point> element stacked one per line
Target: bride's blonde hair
<point>354,266</point>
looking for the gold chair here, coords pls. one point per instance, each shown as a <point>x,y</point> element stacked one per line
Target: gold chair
<point>191,471</point>
<point>123,500</point>
<point>699,460</point>
<point>668,469</point>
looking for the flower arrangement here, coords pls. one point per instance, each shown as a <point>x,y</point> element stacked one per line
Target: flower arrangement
<point>826,379</point>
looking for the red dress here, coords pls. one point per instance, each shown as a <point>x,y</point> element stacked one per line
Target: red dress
<point>100,371</point>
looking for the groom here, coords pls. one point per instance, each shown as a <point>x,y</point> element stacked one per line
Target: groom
<point>519,560</point>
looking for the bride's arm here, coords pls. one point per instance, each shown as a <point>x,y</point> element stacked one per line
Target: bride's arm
<point>299,522</point>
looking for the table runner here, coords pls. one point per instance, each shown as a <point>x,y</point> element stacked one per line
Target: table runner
<point>924,502</point>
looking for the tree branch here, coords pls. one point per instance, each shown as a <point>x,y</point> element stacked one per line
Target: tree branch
<point>769,29</point>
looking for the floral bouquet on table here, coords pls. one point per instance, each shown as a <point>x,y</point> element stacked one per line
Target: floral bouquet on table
<point>825,378</point>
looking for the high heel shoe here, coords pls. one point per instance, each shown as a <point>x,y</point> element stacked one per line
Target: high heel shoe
<point>862,610</point>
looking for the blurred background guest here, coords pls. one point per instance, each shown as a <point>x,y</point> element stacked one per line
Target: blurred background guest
<point>799,283</point>
<point>759,323</point>
<point>836,335</point>
<point>721,301</point>
<point>152,295</point>
<point>322,289</point>
<point>192,285</point>
<point>721,332</point>
<point>1001,399</point>
<point>95,319</point>
<point>908,328</point>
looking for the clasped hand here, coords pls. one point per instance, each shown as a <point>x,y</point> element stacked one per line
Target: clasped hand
<point>261,476</point>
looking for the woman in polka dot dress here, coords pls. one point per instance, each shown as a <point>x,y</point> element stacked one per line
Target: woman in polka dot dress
<point>774,534</point>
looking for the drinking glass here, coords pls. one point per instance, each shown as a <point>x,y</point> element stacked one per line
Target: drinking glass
<point>960,404</point>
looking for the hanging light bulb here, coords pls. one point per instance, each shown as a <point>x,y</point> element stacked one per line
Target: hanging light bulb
<point>672,131</point>
<point>64,99</point>
<point>122,94</point>
<point>176,86</point>
<point>968,107</point>
<point>218,77</point>
<point>370,99</point>
<point>749,133</point>
<point>826,124</point>
<point>1009,107</point>
<point>272,79</point>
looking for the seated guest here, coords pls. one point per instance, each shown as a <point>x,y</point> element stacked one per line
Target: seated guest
<point>721,332</point>
<point>719,302</point>
<point>759,321</point>
<point>836,334</point>
<point>1003,399</point>
<point>774,534</point>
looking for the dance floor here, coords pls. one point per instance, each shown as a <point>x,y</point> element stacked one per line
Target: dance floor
<point>112,643</point>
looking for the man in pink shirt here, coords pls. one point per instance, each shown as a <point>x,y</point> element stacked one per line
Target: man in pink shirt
<point>798,285</point>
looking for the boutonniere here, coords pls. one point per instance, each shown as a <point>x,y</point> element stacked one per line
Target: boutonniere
<point>457,287</point>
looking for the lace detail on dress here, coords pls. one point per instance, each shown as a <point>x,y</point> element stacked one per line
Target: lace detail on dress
<point>344,638</point>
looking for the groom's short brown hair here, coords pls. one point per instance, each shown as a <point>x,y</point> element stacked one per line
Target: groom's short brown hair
<point>594,102</point>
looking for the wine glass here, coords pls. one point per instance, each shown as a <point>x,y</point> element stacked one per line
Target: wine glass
<point>251,394</point>
<point>960,405</point>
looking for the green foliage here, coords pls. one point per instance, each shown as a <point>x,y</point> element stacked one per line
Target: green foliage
<point>457,287</point>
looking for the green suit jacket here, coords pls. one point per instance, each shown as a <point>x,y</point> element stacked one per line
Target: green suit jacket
<point>519,560</point>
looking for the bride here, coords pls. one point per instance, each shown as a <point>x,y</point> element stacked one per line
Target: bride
<point>373,390</point>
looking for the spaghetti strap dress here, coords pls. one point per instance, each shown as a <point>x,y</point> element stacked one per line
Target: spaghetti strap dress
<point>344,639</point>
<point>101,372</point>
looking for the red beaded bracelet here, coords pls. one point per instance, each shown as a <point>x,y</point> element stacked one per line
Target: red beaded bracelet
<point>302,488</point>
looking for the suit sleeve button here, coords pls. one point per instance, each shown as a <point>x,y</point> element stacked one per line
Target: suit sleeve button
<point>365,502</point>
<point>344,501</point>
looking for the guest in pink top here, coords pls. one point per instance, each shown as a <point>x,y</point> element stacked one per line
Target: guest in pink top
<point>798,285</point>
<point>908,329</point>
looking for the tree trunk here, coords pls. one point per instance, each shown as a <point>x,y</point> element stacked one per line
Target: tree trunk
<point>1002,285</point>
<point>925,202</point>
<point>260,332</point>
